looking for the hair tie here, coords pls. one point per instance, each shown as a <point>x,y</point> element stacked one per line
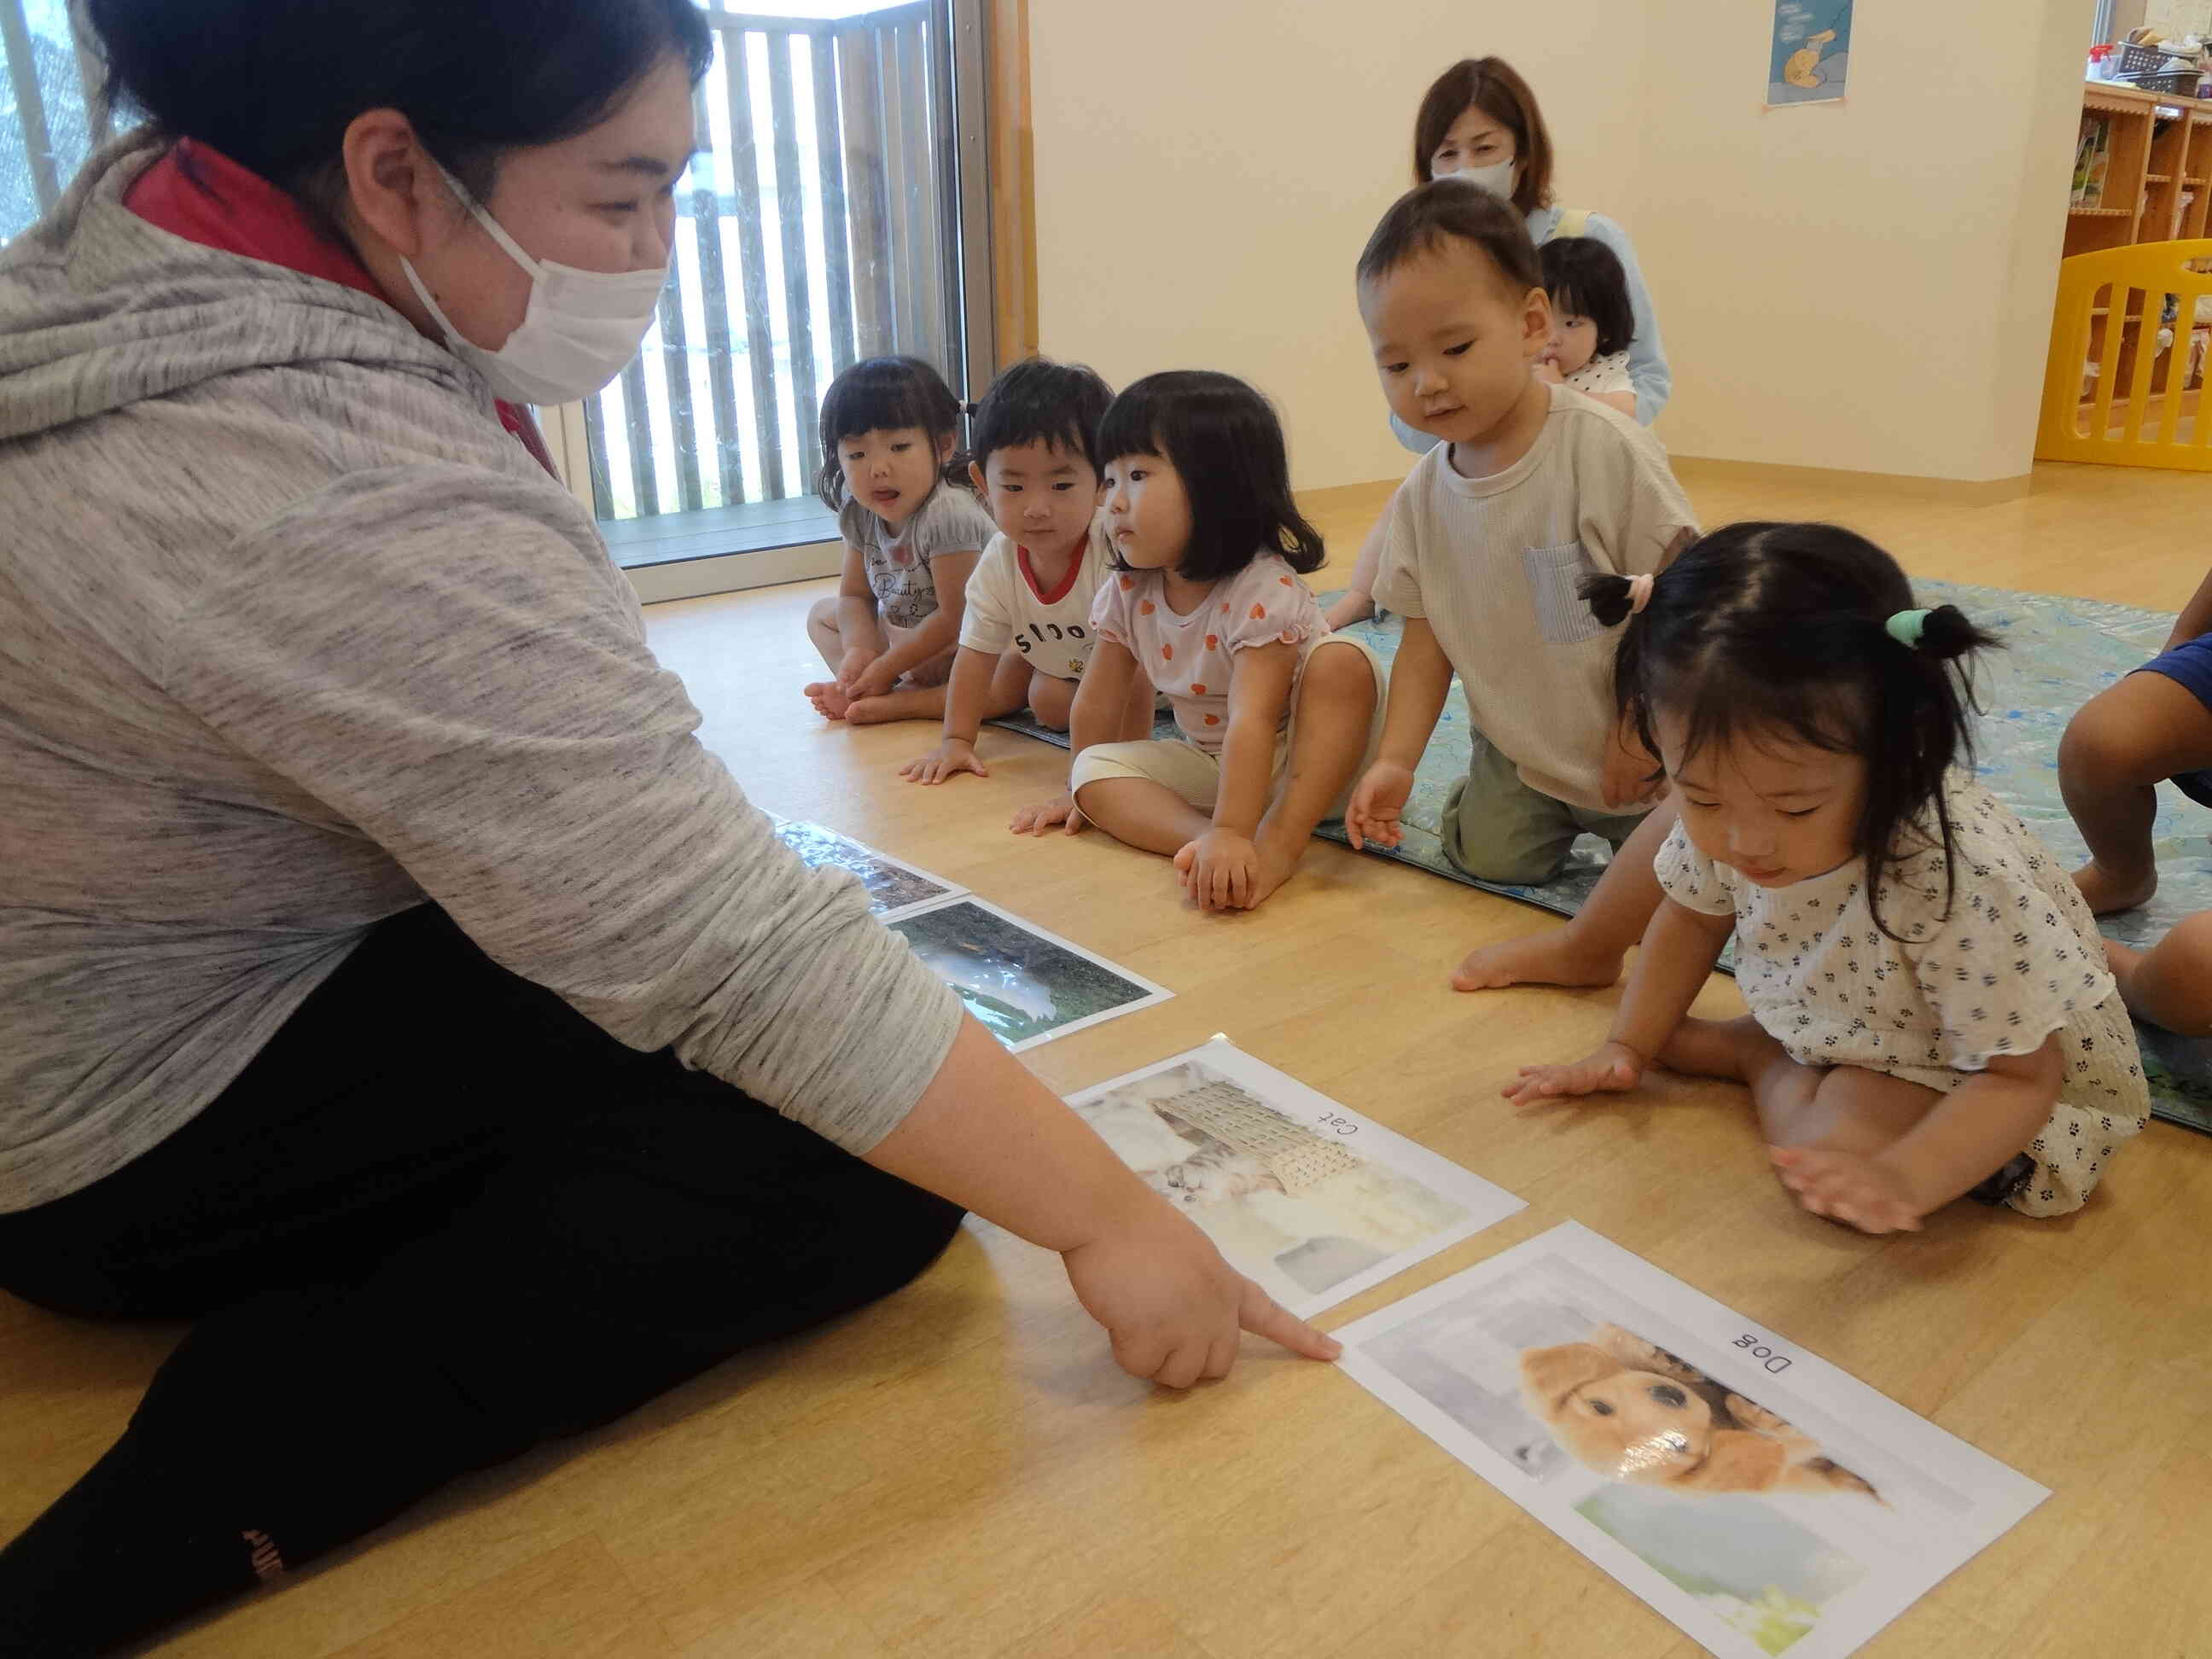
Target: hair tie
<point>1639,592</point>
<point>1906,628</point>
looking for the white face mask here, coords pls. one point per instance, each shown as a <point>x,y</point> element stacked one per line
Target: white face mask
<point>1497,177</point>
<point>579,330</point>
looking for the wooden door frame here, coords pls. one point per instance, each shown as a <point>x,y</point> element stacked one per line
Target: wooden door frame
<point>1014,184</point>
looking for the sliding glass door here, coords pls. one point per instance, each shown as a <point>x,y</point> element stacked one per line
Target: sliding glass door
<point>830,216</point>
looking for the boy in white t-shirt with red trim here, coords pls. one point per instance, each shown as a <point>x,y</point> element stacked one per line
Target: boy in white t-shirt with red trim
<point>1025,636</point>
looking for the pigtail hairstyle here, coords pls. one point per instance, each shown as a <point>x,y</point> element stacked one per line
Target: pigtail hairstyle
<point>1784,628</point>
<point>878,393</point>
<point>1224,439</point>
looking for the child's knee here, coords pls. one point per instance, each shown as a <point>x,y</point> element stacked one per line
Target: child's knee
<point>1051,700</point>
<point>822,616</point>
<point>2188,946</point>
<point>1511,835</point>
<point>1340,675</point>
<point>2114,740</point>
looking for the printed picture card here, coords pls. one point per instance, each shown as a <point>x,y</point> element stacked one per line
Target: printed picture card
<point>895,888</point>
<point>1763,1500</point>
<point>1312,1200</point>
<point>1027,986</point>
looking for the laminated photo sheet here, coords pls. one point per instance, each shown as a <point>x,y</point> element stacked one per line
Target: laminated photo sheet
<point>1762,1500</point>
<point>895,887</point>
<point>1309,1199</point>
<point>1025,985</point>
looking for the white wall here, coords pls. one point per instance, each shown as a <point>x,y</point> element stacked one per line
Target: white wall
<point>1208,170</point>
<point>2173,19</point>
<point>1865,285</point>
<point>1866,288</point>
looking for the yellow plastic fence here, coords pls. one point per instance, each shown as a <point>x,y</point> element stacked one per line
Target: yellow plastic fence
<point>2127,348</point>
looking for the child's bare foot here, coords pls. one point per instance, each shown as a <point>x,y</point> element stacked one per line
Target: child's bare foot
<point>2108,892</point>
<point>829,699</point>
<point>1554,956</point>
<point>906,704</point>
<point>1275,866</point>
<point>1278,862</point>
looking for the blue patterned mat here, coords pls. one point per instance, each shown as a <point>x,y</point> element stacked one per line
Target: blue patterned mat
<point>2059,654</point>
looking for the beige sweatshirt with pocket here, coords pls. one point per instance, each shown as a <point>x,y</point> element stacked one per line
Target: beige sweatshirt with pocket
<point>1494,564</point>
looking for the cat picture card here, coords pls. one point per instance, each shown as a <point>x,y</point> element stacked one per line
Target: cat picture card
<point>1309,1199</point>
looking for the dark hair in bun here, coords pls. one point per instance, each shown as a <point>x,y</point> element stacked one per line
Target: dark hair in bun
<point>1783,628</point>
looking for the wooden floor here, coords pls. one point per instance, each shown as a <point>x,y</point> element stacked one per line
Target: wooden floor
<point>962,1472</point>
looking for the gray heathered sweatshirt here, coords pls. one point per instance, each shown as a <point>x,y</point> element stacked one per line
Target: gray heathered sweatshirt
<point>294,636</point>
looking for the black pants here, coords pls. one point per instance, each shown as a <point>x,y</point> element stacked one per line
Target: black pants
<point>441,1218</point>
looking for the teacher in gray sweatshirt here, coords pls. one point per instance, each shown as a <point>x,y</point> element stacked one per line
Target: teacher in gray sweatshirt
<point>389,979</point>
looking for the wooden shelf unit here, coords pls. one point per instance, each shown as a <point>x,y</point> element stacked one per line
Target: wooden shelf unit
<point>2155,181</point>
<point>2155,189</point>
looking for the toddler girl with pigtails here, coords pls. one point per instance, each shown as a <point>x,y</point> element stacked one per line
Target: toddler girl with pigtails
<point>1931,1015</point>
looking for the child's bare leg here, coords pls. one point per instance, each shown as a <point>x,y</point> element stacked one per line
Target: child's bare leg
<point>1009,692</point>
<point>822,628</point>
<point>1588,950</point>
<point>2121,743</point>
<point>1336,699</point>
<point>2170,985</point>
<point>1846,1108</point>
<point>1359,601</point>
<point>1051,700</point>
<point>1741,1051</point>
<point>1852,1110</point>
<point>921,703</point>
<point>1143,813</point>
<point>829,699</point>
<point>1842,1109</point>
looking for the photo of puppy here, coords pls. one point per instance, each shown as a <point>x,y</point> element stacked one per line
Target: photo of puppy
<point>1798,1522</point>
<point>1634,1411</point>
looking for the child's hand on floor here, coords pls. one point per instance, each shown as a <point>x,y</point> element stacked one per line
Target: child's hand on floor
<point>1377,803</point>
<point>1612,1068</point>
<point>948,760</point>
<point>1862,1192</point>
<point>1036,820</point>
<point>1223,873</point>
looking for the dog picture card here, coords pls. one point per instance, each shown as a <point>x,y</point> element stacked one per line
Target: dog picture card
<point>1762,1500</point>
<point>1310,1199</point>
<point>1025,985</point>
<point>895,888</point>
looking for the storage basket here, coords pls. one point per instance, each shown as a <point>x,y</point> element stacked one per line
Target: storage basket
<point>2178,83</point>
<point>2131,60</point>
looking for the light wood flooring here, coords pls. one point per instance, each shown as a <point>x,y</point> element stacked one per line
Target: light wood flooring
<point>961,1471</point>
